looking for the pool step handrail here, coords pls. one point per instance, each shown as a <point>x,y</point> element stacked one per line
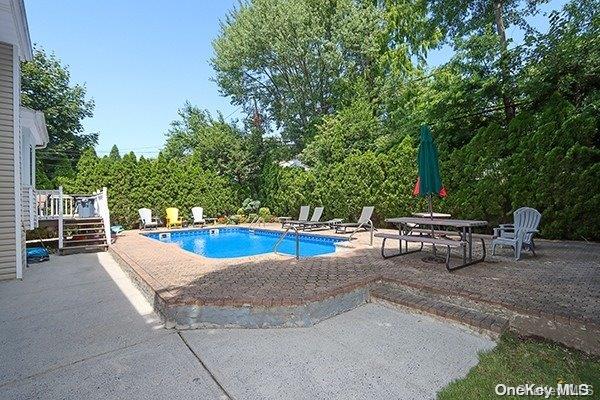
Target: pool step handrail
<point>257,221</point>
<point>281,240</point>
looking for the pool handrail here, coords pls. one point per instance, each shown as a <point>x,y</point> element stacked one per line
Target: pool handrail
<point>283,236</point>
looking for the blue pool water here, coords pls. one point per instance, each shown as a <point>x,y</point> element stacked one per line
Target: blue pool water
<point>242,242</point>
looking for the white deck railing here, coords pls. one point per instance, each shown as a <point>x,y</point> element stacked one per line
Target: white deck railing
<point>101,209</point>
<point>55,205</point>
<point>49,204</point>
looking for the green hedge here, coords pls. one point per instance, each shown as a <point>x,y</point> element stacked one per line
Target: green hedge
<point>155,184</point>
<point>384,180</point>
<point>546,160</point>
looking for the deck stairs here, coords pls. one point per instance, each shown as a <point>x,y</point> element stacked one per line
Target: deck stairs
<point>83,235</point>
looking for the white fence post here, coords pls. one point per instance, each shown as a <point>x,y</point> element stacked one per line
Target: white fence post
<point>105,215</point>
<point>60,218</point>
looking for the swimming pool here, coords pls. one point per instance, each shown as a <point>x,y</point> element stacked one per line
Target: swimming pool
<point>233,242</point>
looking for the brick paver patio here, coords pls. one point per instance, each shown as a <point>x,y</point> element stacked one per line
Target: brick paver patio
<point>560,285</point>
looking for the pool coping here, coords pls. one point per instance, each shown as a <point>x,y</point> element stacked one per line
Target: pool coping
<point>336,239</point>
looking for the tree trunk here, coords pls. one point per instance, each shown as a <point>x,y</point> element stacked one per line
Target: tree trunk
<point>509,105</point>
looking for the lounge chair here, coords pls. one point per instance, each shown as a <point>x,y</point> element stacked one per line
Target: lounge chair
<point>364,222</point>
<point>316,216</point>
<point>173,217</point>
<point>198,213</point>
<point>302,217</point>
<point>315,222</point>
<point>329,224</point>
<point>518,235</point>
<point>146,220</point>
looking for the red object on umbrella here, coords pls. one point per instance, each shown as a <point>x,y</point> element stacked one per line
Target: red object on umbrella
<point>417,191</point>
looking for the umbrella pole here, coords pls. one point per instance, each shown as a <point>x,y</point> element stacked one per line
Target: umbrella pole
<point>431,215</point>
<point>430,206</point>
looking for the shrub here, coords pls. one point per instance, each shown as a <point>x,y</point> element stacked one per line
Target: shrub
<point>250,206</point>
<point>265,214</point>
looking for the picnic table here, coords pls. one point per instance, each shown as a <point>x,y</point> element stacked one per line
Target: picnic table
<point>435,232</point>
<point>431,215</point>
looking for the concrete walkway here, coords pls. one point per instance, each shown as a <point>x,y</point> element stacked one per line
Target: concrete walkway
<point>77,328</point>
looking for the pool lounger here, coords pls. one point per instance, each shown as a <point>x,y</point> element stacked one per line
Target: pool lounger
<point>316,216</point>
<point>329,224</point>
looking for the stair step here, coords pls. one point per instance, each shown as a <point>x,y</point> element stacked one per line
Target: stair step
<point>93,234</point>
<point>74,241</point>
<point>87,229</point>
<point>83,221</point>
<point>90,247</point>
<point>84,224</point>
<point>426,303</point>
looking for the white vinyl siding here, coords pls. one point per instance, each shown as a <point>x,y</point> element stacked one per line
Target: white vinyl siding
<point>28,214</point>
<point>8,257</point>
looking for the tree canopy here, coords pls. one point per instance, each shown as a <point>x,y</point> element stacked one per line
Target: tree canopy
<point>293,58</point>
<point>46,86</point>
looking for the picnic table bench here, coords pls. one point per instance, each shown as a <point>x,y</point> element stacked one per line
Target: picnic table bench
<point>411,230</point>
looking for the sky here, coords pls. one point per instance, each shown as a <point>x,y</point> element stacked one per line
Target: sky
<point>141,60</point>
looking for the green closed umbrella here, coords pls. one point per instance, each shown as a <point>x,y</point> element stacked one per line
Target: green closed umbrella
<point>429,182</point>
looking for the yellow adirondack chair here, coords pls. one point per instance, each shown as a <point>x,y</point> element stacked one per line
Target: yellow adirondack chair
<point>173,217</point>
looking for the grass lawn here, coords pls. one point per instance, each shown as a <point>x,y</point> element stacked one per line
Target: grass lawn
<point>515,362</point>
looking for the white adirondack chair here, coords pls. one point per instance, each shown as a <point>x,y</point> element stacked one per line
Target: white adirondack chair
<point>518,235</point>
<point>198,213</point>
<point>146,220</point>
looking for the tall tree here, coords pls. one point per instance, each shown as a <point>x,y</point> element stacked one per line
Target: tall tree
<point>295,57</point>
<point>114,153</point>
<point>408,35</point>
<point>461,18</point>
<point>46,86</point>
<point>218,146</point>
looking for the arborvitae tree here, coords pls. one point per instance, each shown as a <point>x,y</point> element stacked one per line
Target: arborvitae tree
<point>123,188</point>
<point>114,153</point>
<point>88,174</point>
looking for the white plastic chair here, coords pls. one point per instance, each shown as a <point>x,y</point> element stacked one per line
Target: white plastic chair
<point>146,220</point>
<point>198,213</point>
<point>518,235</point>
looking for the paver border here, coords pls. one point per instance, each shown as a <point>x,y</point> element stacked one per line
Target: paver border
<point>247,316</point>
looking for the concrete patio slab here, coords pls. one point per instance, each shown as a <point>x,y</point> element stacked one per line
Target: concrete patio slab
<point>158,368</point>
<point>371,352</point>
<point>45,325</point>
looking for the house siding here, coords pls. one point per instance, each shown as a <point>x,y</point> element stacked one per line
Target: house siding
<point>8,230</point>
